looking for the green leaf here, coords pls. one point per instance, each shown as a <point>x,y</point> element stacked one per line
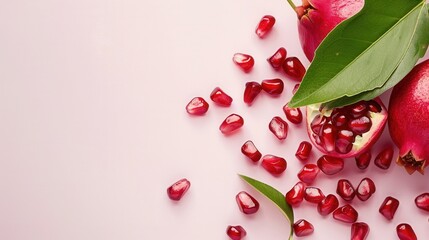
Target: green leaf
<point>275,196</point>
<point>363,52</point>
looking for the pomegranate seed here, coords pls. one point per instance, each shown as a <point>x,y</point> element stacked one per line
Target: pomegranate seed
<point>296,195</point>
<point>293,67</point>
<point>363,160</point>
<point>384,158</point>
<point>251,91</point>
<point>328,205</point>
<point>178,189</point>
<point>236,232</point>
<point>278,58</point>
<point>330,165</point>
<point>405,232</point>
<point>360,231</point>
<point>308,173</point>
<point>358,109</point>
<point>249,150</point>
<point>346,214</point>
<point>360,125</point>
<point>273,86</point>
<point>244,61</point>
<point>265,25</point>
<point>197,106</point>
<point>279,127</point>
<point>295,88</point>
<point>246,203</point>
<point>303,151</point>
<point>422,201</point>
<point>317,123</point>
<point>373,106</point>
<point>231,123</point>
<point>294,115</point>
<point>344,141</point>
<point>313,195</point>
<point>388,207</point>
<point>365,189</point>
<point>328,137</point>
<point>220,97</point>
<point>339,120</point>
<point>273,164</point>
<point>345,190</point>
<point>302,228</point>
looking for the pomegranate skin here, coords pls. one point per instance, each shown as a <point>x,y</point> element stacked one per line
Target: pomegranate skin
<point>408,124</point>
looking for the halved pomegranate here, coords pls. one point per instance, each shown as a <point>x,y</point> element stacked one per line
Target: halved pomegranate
<point>346,131</point>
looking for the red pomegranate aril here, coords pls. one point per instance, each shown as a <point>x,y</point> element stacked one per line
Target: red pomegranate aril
<point>231,124</point>
<point>422,201</point>
<point>359,231</point>
<point>278,58</point>
<point>295,88</point>
<point>246,203</point>
<point>273,86</point>
<point>178,189</point>
<point>339,120</point>
<point>345,190</point>
<point>363,160</point>
<point>279,127</point>
<point>346,214</point>
<point>303,151</point>
<point>294,115</point>
<point>249,150</point>
<point>328,137</point>
<point>308,173</point>
<point>344,141</point>
<point>317,123</point>
<point>360,125</point>
<point>313,195</point>
<point>265,25</point>
<point>220,97</point>
<point>388,207</point>
<point>302,228</point>
<point>293,67</point>
<point>197,106</point>
<point>405,232</point>
<point>296,195</point>
<point>358,109</point>
<point>374,107</point>
<point>251,91</point>
<point>236,232</point>
<point>244,61</point>
<point>384,158</point>
<point>330,165</point>
<point>328,205</point>
<point>274,164</point>
<point>365,189</point>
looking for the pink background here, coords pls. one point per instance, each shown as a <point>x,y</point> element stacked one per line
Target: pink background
<point>93,127</point>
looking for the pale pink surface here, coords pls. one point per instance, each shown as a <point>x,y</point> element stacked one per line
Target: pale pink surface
<point>93,127</point>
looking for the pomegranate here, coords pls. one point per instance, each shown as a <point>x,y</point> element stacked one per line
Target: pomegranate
<point>303,151</point>
<point>359,231</point>
<point>365,189</point>
<point>294,115</point>
<point>405,232</point>
<point>235,232</point>
<point>388,207</point>
<point>328,205</point>
<point>220,97</point>
<point>178,189</point>
<point>330,165</point>
<point>244,61</point>
<point>251,91</point>
<point>249,150</point>
<point>302,228</point>
<point>274,164</point>
<point>295,196</point>
<point>408,125</point>
<point>277,59</point>
<point>293,67</point>
<point>422,201</point>
<point>278,127</point>
<point>231,124</point>
<point>346,190</point>
<point>197,106</point>
<point>273,86</point>
<point>308,173</point>
<point>265,25</point>
<point>246,203</point>
<point>346,131</point>
<point>346,214</point>
<point>313,195</point>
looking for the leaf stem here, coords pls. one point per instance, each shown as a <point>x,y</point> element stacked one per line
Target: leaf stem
<point>292,4</point>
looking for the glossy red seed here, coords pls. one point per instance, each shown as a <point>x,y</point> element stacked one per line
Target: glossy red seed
<point>296,195</point>
<point>303,151</point>
<point>328,205</point>
<point>308,173</point>
<point>302,228</point>
<point>251,91</point>
<point>365,189</point>
<point>295,88</point>
<point>294,115</point>
<point>359,109</point>
<point>220,97</point>
<point>178,189</point>
<point>273,86</point>
<point>373,106</point>
<point>328,137</point>
<point>278,58</point>
<point>246,203</point>
<point>265,25</point>
<point>244,61</point>
<point>313,195</point>
<point>346,214</point>
<point>317,123</point>
<point>363,160</point>
<point>344,141</point>
<point>360,125</point>
<point>236,232</point>
<point>359,231</point>
<point>422,201</point>
<point>388,207</point>
<point>405,232</point>
<point>274,164</point>
<point>293,67</point>
<point>330,165</point>
<point>384,158</point>
<point>345,190</point>
<point>279,127</point>
<point>249,150</point>
<point>339,120</point>
<point>197,106</point>
<point>231,124</point>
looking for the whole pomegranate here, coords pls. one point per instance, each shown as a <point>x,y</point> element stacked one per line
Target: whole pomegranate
<point>408,118</point>
<point>316,18</point>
